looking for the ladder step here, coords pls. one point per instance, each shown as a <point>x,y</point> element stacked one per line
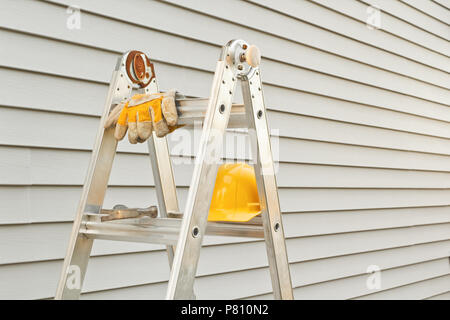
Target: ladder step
<point>194,110</point>
<point>235,229</point>
<point>122,212</point>
<point>133,233</point>
<point>161,230</point>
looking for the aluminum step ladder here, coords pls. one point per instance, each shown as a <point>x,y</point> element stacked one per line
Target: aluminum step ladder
<point>182,233</point>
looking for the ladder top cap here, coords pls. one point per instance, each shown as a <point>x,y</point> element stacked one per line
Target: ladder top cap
<point>241,56</point>
<point>253,56</point>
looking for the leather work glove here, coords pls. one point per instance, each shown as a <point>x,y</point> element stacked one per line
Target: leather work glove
<point>142,114</point>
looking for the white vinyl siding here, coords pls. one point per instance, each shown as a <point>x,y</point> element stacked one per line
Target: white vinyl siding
<point>362,115</point>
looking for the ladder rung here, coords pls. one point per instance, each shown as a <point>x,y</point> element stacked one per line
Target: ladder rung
<point>255,221</point>
<point>235,229</point>
<point>162,230</point>
<point>123,212</point>
<point>134,233</point>
<point>194,110</point>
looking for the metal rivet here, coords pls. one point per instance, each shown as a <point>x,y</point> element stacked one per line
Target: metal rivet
<point>222,108</point>
<point>257,73</point>
<point>259,88</point>
<point>226,67</point>
<point>223,81</point>
<point>195,232</point>
<point>118,89</point>
<point>233,79</point>
<point>240,67</point>
<point>231,92</point>
<point>253,96</point>
<point>251,82</point>
<point>276,227</point>
<point>260,114</point>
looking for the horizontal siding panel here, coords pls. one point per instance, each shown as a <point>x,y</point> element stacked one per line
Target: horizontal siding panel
<point>101,60</point>
<point>90,99</point>
<point>312,33</point>
<point>328,222</point>
<point>154,291</point>
<point>157,290</point>
<point>306,151</point>
<point>304,103</point>
<point>289,175</point>
<point>430,8</point>
<point>221,31</point>
<point>242,15</point>
<point>335,22</point>
<point>309,248</point>
<point>302,127</point>
<point>341,88</point>
<point>39,280</point>
<point>441,296</point>
<point>389,24</point>
<point>414,291</point>
<point>286,150</point>
<point>99,67</point>
<point>319,271</point>
<point>412,16</point>
<point>106,272</point>
<point>412,87</point>
<point>342,199</point>
<point>317,60</point>
<point>352,287</point>
<point>90,96</point>
<point>24,243</point>
<point>50,203</point>
<point>442,3</point>
<point>309,11</point>
<point>69,168</point>
<point>70,136</point>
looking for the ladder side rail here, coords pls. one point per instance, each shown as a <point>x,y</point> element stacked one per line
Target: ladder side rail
<point>94,189</point>
<point>161,163</point>
<point>195,217</point>
<point>165,187</point>
<point>267,186</point>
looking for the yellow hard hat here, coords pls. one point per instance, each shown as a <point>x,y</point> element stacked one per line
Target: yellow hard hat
<point>235,197</point>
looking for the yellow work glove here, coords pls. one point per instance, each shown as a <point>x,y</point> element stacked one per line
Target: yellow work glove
<point>142,114</point>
